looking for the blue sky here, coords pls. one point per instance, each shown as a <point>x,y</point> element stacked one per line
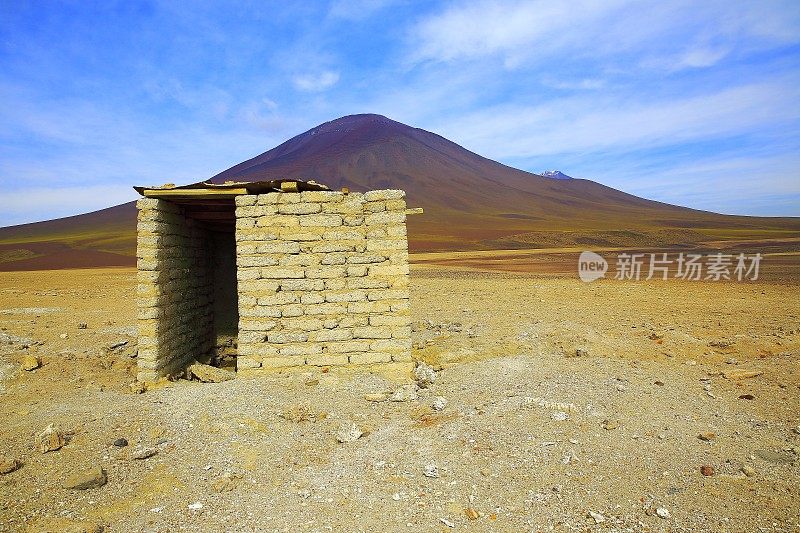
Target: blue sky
<point>694,103</point>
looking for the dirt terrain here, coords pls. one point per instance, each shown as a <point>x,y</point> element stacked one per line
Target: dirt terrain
<point>610,406</point>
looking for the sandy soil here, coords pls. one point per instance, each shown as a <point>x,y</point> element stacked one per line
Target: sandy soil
<point>532,438</point>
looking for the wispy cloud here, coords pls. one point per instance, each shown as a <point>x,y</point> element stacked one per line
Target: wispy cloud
<point>589,124</point>
<point>520,31</point>
<point>316,82</point>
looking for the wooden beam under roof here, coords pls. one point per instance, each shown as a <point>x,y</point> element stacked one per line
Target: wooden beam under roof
<point>193,193</point>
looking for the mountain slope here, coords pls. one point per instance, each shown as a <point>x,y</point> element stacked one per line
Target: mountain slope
<point>470,201</point>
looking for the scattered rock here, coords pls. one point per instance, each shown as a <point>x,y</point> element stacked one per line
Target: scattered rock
<point>721,344</point>
<point>376,396</point>
<point>30,362</point>
<point>659,383</point>
<point>120,442</point>
<point>115,345</point>
<point>447,522</point>
<point>8,465</point>
<point>471,513</point>
<point>299,413</point>
<point>581,352</point>
<point>559,416</point>
<point>137,387</point>
<point>63,336</point>
<point>662,512</point>
<point>431,471</point>
<point>424,375</point>
<point>50,439</point>
<point>406,393</point>
<point>196,506</point>
<point>747,397</point>
<point>738,374</point>
<point>707,470</point>
<point>748,470</point>
<point>610,424</point>
<point>621,387</point>
<point>707,436</point>
<point>86,479</point>
<point>348,432</point>
<point>779,458</point>
<point>210,374</point>
<point>226,482</point>
<point>83,325</point>
<point>598,518</point>
<point>439,403</point>
<point>141,454</point>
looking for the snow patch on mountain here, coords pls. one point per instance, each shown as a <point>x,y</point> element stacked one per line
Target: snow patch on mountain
<point>556,175</point>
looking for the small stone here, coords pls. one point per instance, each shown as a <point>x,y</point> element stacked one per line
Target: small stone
<point>137,387</point>
<point>196,506</point>
<point>143,453</point>
<point>659,383</point>
<point>559,416</point>
<point>797,430</point>
<point>210,374</point>
<point>707,436</point>
<point>120,442</point>
<point>662,512</point>
<point>439,403</point>
<point>471,513</point>
<point>621,388</point>
<point>610,424</point>
<point>348,432</point>
<point>431,471</point>
<point>424,375</point>
<point>780,458</point>
<point>226,482</point>
<point>406,393</point>
<point>738,374</point>
<point>8,465</point>
<point>598,518</point>
<point>63,336</point>
<point>447,522</point>
<point>86,479</point>
<point>30,362</point>
<point>83,325</point>
<point>50,439</point>
<point>707,470</point>
<point>748,470</point>
<point>376,396</point>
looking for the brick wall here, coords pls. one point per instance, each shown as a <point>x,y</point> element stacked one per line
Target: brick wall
<point>175,289</point>
<point>323,279</point>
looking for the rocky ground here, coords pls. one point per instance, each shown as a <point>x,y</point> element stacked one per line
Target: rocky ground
<point>555,405</point>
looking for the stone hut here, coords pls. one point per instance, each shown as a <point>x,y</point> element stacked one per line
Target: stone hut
<point>288,273</point>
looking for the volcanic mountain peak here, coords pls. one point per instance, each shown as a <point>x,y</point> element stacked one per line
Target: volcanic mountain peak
<point>556,175</point>
<point>469,201</point>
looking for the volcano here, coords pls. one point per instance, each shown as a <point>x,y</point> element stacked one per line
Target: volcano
<point>470,202</point>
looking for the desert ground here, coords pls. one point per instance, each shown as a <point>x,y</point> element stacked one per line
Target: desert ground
<point>557,406</point>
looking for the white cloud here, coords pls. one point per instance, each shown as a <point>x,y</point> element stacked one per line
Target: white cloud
<point>519,31</point>
<point>316,82</point>
<point>584,124</point>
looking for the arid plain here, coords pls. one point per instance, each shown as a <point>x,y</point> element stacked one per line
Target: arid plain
<point>616,405</point>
